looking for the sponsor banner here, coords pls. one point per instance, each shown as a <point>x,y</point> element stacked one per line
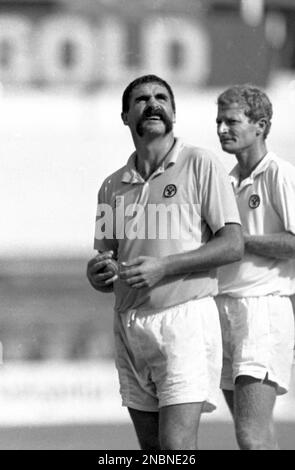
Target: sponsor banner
<point>105,46</point>
<point>96,43</point>
<point>49,393</point>
<point>60,393</point>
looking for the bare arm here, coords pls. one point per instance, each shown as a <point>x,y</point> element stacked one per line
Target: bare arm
<point>276,245</point>
<point>226,247</point>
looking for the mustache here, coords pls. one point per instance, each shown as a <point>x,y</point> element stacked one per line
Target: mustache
<point>149,112</point>
<point>152,111</point>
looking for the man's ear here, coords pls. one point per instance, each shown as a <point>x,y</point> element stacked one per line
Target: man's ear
<point>124,118</point>
<point>261,125</point>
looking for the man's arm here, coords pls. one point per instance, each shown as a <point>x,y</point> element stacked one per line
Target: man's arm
<point>227,246</point>
<point>224,248</point>
<point>276,245</point>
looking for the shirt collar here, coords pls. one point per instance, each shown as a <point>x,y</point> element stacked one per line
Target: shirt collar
<point>261,167</point>
<point>131,174</point>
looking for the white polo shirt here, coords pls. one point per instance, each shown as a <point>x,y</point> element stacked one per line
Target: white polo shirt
<point>266,202</point>
<point>177,209</point>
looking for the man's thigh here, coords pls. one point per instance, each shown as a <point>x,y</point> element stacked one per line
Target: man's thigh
<point>146,426</point>
<point>178,426</point>
<point>174,427</point>
<point>254,401</point>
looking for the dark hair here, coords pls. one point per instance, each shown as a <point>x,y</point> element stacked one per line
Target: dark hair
<point>140,81</point>
<point>255,102</point>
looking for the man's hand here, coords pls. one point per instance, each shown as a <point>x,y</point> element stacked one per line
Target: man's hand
<point>97,273</point>
<point>143,271</point>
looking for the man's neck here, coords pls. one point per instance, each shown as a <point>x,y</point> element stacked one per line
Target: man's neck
<point>249,159</point>
<point>150,155</point>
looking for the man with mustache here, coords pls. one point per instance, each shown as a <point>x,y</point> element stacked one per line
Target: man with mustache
<point>254,304</point>
<point>167,332</point>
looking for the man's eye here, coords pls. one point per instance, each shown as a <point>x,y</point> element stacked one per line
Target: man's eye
<point>141,98</point>
<point>162,97</point>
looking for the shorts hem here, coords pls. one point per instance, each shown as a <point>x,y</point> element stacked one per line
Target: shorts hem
<point>256,374</point>
<point>136,406</point>
<point>281,388</point>
<point>208,406</point>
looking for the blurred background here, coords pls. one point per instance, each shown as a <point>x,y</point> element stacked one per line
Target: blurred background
<point>63,67</point>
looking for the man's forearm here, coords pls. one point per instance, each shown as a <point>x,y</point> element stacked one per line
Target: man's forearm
<point>276,245</point>
<point>226,247</point>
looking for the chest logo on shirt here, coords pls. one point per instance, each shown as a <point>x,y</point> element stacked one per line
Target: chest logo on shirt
<point>170,190</point>
<point>254,201</point>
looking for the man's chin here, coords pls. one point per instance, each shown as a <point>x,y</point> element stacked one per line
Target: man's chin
<point>150,132</point>
<point>153,129</point>
<point>228,147</point>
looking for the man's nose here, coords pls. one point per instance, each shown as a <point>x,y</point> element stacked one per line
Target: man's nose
<point>222,128</point>
<point>152,102</point>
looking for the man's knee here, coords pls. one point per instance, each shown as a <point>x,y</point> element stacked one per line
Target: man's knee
<point>254,439</point>
<point>178,438</point>
<point>179,441</point>
<point>149,443</point>
<point>247,441</point>
<point>178,426</point>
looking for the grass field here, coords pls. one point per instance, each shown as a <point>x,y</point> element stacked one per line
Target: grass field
<point>213,436</point>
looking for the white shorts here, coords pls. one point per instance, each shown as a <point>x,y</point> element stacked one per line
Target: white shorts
<point>258,339</point>
<point>169,357</point>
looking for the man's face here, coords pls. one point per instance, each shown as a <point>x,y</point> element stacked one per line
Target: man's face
<point>235,131</point>
<point>150,110</point>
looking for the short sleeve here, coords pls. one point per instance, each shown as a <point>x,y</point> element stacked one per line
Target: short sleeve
<point>217,196</point>
<point>283,194</point>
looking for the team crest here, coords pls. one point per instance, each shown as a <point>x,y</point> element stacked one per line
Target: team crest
<point>170,190</point>
<point>254,201</point>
